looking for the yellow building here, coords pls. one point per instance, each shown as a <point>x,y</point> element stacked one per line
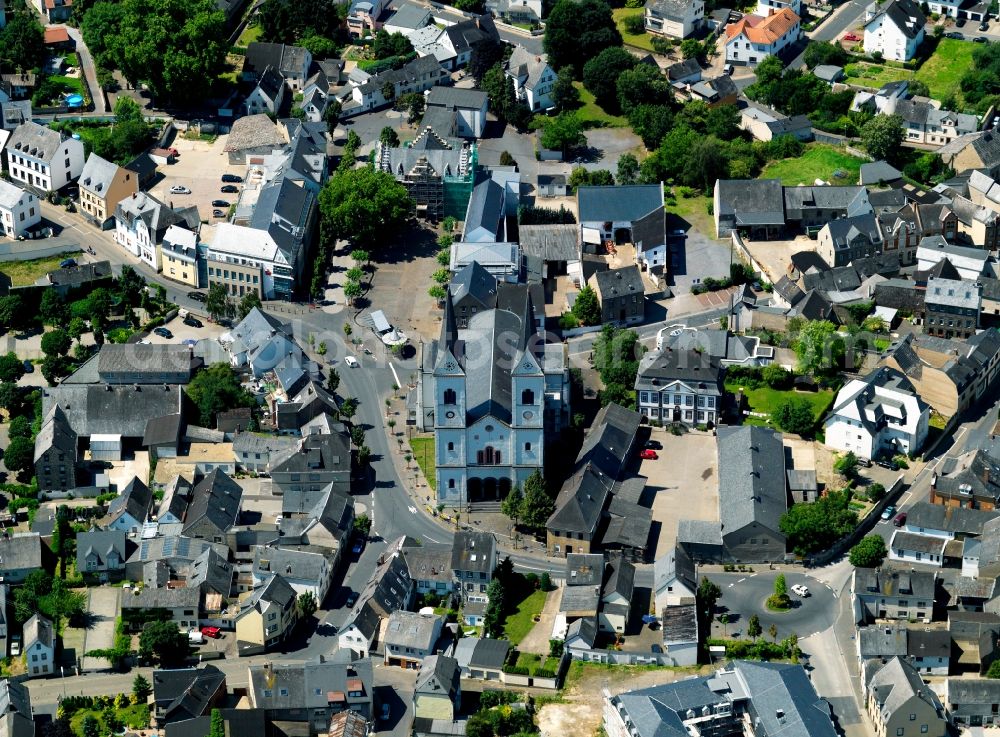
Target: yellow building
<point>266,617</point>
<point>179,255</point>
<point>102,186</point>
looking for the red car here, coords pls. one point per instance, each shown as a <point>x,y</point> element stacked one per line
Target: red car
<point>851,37</point>
<point>648,455</point>
<point>213,632</point>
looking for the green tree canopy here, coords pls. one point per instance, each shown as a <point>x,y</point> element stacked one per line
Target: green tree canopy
<point>19,456</point>
<point>601,75</point>
<point>628,169</point>
<point>818,525</point>
<point>22,41</point>
<point>869,552</point>
<point>290,21</point>
<point>248,302</point>
<point>11,367</point>
<point>563,133</point>
<point>511,504</point>
<point>218,302</point>
<point>307,605</point>
<point>883,136</point>
<point>537,506</point>
<point>163,641</point>
<point>564,95</point>
<point>587,308</point>
<point>364,205</point>
<point>576,32</point>
<point>819,349</point>
<point>642,84</point>
<point>216,389</point>
<point>56,342</point>
<point>794,414</point>
<point>847,464</point>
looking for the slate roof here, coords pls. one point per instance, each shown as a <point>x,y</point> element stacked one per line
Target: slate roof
<point>526,66</point>
<point>411,630</point>
<point>56,434</point>
<point>584,569</point>
<point>211,573</point>
<point>275,590</point>
<point>138,361</point>
<point>683,69</point>
<point>627,203</point>
<point>894,684</point>
<point>890,580</point>
<point>95,409</point>
<point>670,9</point>
<point>316,454</point>
<point>439,674</point>
<point>215,498</point>
<point>478,652</point>
<point>963,293</point>
<point>34,140</point>
<point>135,500</point>
<point>98,175</point>
<point>621,282</point>
<point>845,231</point>
<point>456,98</point>
<point>10,195</point>
<point>657,369</point>
<point>473,551</point>
<point>472,280</point>
<point>928,643</point>
<point>270,84</point>
<point>900,12</point>
<point>972,691</point>
<point>185,693</point>
<point>312,685</point>
<point>550,242</point>
<point>957,520</point>
<point>181,597</point>
<point>608,439</point>
<point>429,562</point>
<point>751,478</point>
<point>486,205</point>
<point>752,201</point>
<point>306,565</point>
<point>163,430</point>
<point>38,629</point>
<point>882,641</point>
<point>100,543</point>
<point>910,542</point>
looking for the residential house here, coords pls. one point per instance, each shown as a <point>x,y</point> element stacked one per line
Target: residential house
<point>416,76</point>
<point>411,637</point>
<point>42,158</point>
<point>929,650</point>
<point>141,221</point>
<point>975,640</point>
<point>533,79</point>
<point>881,413</point>
<point>138,364</point>
<point>269,94</point>
<point>843,240</point>
<point>683,72</point>
<point>971,701</point>
<point>752,206</point>
<point>894,29</point>
<point>453,45</point>
<point>20,554</point>
<point>436,171</point>
<point>878,174</point>
<point>899,703</point>
<point>765,124</point>
<point>291,63</point>
<point>20,210</point>
<point>101,553</point>
<point>947,522</point>
<point>388,590</point>
<point>620,294</point>
<point>15,710</point>
<point>102,186</point>
<point>948,374</point>
<point>348,724</point>
<point>254,135</point>
<point>55,11</point>
<point>267,617</point>
<point>713,92</point>
<point>457,111</point>
<point>364,17</point>
<point>775,698</point>
<point>770,7</point>
<point>631,213</point>
<point>970,263</point>
<point>970,480</point>
<point>55,453</point>
<point>178,605</point>
<point>215,507</point>
<point>674,580</point>
<point>407,19</point>
<point>130,509</point>
<point>895,592</point>
<point>973,151</point>
<point>952,307</point>
<point>180,256</point>
<point>754,38</point>
<point>256,453</point>
<point>905,546</point>
<point>674,18</point>
<point>314,462</point>
<point>813,207</point>
<point>931,126</point>
<point>438,691</point>
<point>474,555</point>
<point>39,646</point>
<point>313,692</point>
<point>430,569</point>
<point>305,570</point>
<point>977,217</point>
<point>683,385</point>
<point>186,693</point>
<point>616,594</point>
<point>481,658</point>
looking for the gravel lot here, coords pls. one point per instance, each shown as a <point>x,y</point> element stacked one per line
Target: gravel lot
<point>199,167</point>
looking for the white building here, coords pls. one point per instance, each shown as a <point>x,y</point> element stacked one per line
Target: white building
<point>141,221</point>
<point>926,549</point>
<point>753,38</point>
<point>43,158</point>
<point>894,29</point>
<point>246,259</point>
<point>881,412</point>
<point>533,78</point>
<point>770,7</point>
<point>674,18</point>
<point>39,646</point>
<point>268,95</point>
<point>19,209</point>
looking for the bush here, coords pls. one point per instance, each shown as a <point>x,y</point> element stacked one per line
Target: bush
<point>544,673</point>
<point>869,553</point>
<point>779,602</point>
<point>568,321</point>
<point>875,492</point>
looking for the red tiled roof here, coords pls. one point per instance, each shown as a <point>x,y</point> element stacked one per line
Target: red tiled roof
<point>56,35</point>
<point>763,30</point>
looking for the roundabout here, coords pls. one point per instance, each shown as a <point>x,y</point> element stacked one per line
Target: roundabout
<point>745,594</point>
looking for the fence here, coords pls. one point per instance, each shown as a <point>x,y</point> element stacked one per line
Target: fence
<point>683,656</point>
<point>863,528</point>
<point>21,251</point>
<point>745,254</point>
<point>516,679</point>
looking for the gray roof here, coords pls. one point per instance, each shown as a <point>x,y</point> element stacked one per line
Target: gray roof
<point>895,683</point>
<point>608,439</point>
<point>274,590</point>
<point>824,198</point>
<point>900,12</point>
<point>829,73</point>
<point>306,565</point>
<point>879,171</point>
<point>486,207</point>
<point>211,572</point>
<point>550,242</point>
<point>253,443</point>
<point>215,498</point>
<point>584,569</point>
<point>580,599</point>
<point>38,629</point>
<point>801,480</point>
<point>10,194</point>
<point>113,410</point>
<point>55,433</point>
<point>619,282</point>
<point>628,203</point>
<point>752,201</point>
<point>408,16</point>
<point>456,98</point>
<point>439,674</point>
<point>474,281</point>
<point>844,232</point>
<point>100,543</point>
<point>751,478</point>
<point>34,140</point>
<point>479,652</point>
<point>185,693</point>
<point>15,704</point>
<point>429,562</point>
<point>953,293</point>
<point>682,69</point>
<point>473,551</point>
<point>157,216</point>
<point>527,66</point>
<point>973,691</point>
<point>98,175</point>
<point>882,641</point>
<point>312,685</point>
<point>163,430</point>
<point>890,580</point>
<point>917,543</point>
<point>671,9</point>
<point>181,597</point>
<point>252,132</point>
<point>928,643</point>
<point>699,532</point>
<point>412,630</point>
<point>657,369</point>
<point>581,501</point>
<point>135,499</point>
<point>958,520</point>
<point>316,454</point>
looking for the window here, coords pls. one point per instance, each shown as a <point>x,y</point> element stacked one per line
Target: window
<point>527,447</point>
<point>923,729</point>
<point>449,397</point>
<point>451,446</point>
<point>451,483</point>
<point>527,397</point>
<point>913,717</point>
<point>900,731</point>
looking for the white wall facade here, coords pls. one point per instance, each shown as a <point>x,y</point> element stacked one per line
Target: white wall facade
<point>24,215</point>
<point>882,35</point>
<point>65,166</point>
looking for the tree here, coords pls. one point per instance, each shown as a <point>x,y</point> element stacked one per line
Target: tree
<point>218,724</point>
<point>705,162</point>
<point>358,436</point>
<point>883,136</point>
<point>90,726</point>
<point>776,376</point>
<point>58,728</point>
<point>485,56</point>
<point>754,630</point>
<point>218,303</point>
<point>76,328</point>
<point>537,506</point>
<point>248,302</point>
<point>52,309</point>
<point>493,619</point>
<point>56,343</point>
<point>19,456</point>
<point>601,75</point>
<point>875,492</point>
<point>10,396</point>
<point>12,314</point>
<point>352,290</point>
<point>692,48</point>
<point>707,595</point>
<point>587,308</point>
<point>628,169</point>
<point>163,641</point>
<point>141,689</point>
<point>216,389</point>
<point>54,368</point>
<point>511,504</point>
<point>348,407</point>
<point>794,414</point>
<point>651,123</point>
<point>642,84</point>
<point>360,256</point>
<point>576,32</point>
<point>332,380</point>
<point>506,160</point>
<point>819,524</point>
<point>331,116</point>
<point>287,21</point>
<point>320,47</point>
<point>846,465</point>
<point>362,525</point>
<point>824,52</point>
<point>364,205</point>
<point>391,44</point>
<point>11,367</point>
<point>19,427</point>
<point>565,96</point>
<point>780,585</point>
<point>773,632</point>
<point>22,42</point>
<point>819,349</point>
<point>563,132</point>
<point>306,603</point>
<point>869,552</point>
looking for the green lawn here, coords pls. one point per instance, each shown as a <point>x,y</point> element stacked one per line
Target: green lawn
<point>72,60</point>
<point>250,34</point>
<point>942,72</point>
<point>423,453</point>
<point>534,662</point>
<point>767,400</point>
<point>591,112</point>
<point>695,211</point>
<point>640,40</point>
<point>26,273</point>
<point>135,716</point>
<point>819,161</point>
<point>73,83</point>
<point>519,623</point>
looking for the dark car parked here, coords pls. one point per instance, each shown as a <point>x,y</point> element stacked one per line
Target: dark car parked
<point>197,296</point>
<point>220,203</point>
<point>230,189</point>
<point>163,333</point>
<point>192,322</point>
<point>232,178</point>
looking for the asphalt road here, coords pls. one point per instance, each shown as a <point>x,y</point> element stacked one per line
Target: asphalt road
<point>744,594</point>
<point>843,18</point>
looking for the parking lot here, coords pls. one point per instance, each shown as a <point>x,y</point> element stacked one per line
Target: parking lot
<point>199,167</point>
<point>684,483</point>
<point>182,332</point>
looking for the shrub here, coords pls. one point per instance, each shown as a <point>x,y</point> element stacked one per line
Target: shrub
<point>568,321</point>
<point>544,673</point>
<point>869,553</point>
<point>875,492</point>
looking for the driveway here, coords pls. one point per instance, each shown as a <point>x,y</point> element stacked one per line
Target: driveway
<point>696,257</point>
<point>744,594</point>
<point>103,605</point>
<point>537,640</point>
<point>519,145</point>
<point>608,144</point>
<point>199,167</point>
